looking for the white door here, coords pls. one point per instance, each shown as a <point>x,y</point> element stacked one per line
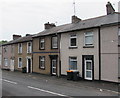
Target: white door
<point>88,69</point>
<point>12,65</point>
<point>54,64</point>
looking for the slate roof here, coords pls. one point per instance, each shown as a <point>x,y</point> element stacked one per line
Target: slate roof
<point>83,24</point>
<point>19,40</point>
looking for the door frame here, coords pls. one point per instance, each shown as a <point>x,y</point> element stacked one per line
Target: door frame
<point>28,66</point>
<point>12,62</point>
<point>52,66</point>
<point>89,70</point>
<point>51,58</point>
<point>87,57</point>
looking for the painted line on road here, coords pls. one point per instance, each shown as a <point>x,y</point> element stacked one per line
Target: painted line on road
<point>9,81</point>
<point>47,91</point>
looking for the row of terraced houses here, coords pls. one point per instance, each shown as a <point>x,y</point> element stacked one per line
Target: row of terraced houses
<point>91,46</point>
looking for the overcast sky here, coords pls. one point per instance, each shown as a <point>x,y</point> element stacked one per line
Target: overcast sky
<point>28,16</point>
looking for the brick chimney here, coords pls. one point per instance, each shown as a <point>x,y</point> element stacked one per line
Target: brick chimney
<point>49,26</point>
<point>16,36</point>
<point>109,8</point>
<point>75,19</point>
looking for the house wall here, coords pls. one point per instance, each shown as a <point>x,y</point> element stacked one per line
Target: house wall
<point>23,55</point>
<point>46,52</point>
<point>66,52</point>
<point>109,53</point>
<point>0,56</point>
<point>9,54</point>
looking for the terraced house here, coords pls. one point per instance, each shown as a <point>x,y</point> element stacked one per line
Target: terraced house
<point>23,53</point>
<point>46,51</point>
<point>8,55</point>
<point>92,47</point>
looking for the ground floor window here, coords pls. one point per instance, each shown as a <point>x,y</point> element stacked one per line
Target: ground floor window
<point>73,63</point>
<point>19,62</point>
<point>5,62</point>
<point>42,62</point>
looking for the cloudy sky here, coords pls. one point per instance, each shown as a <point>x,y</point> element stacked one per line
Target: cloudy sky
<point>28,16</point>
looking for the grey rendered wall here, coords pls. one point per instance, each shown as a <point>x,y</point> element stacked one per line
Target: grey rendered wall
<point>109,53</point>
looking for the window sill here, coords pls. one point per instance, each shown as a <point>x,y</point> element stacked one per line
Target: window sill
<point>73,47</point>
<point>88,46</point>
<point>42,68</point>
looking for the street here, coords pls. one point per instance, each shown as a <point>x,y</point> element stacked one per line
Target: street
<point>20,84</point>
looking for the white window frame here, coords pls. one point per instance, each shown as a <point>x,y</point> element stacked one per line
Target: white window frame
<point>88,35</point>
<point>72,36</point>
<point>29,47</point>
<point>70,60</point>
<point>54,45</point>
<point>41,59</point>
<point>5,62</point>
<point>19,62</point>
<point>19,49</point>
<point>42,40</point>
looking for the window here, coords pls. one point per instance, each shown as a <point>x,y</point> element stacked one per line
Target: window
<point>88,38</point>
<point>73,40</point>
<point>29,47</point>
<point>5,49</point>
<point>73,63</point>
<point>42,62</point>
<point>19,62</point>
<point>20,48</point>
<point>5,62</point>
<point>42,43</point>
<point>54,42</point>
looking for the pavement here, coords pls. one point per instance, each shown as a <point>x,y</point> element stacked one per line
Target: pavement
<point>54,84</point>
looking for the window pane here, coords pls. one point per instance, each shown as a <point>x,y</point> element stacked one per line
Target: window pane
<point>73,63</point>
<point>42,62</point>
<point>88,74</point>
<point>88,66</point>
<point>89,40</point>
<point>54,42</point>
<point>73,41</point>
<point>42,43</point>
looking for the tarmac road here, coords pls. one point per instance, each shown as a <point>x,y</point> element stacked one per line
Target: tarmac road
<point>20,84</point>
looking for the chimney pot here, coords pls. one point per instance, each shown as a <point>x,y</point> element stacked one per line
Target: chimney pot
<point>75,19</point>
<point>49,26</point>
<point>109,8</point>
<point>16,36</point>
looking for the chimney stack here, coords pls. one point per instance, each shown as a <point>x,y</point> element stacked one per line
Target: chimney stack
<point>49,26</point>
<point>16,36</point>
<point>75,19</point>
<point>109,8</point>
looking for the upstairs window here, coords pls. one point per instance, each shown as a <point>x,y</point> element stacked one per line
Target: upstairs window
<point>29,47</point>
<point>19,62</point>
<point>42,62</point>
<point>118,31</point>
<point>42,43</point>
<point>20,48</point>
<point>54,42</point>
<point>88,38</point>
<point>73,63</point>
<point>73,40</point>
<point>5,49</point>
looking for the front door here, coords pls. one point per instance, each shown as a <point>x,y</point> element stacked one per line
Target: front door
<point>88,69</point>
<point>12,65</point>
<point>54,64</point>
<point>28,65</point>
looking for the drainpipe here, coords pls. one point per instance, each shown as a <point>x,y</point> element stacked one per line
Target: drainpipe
<point>99,51</point>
